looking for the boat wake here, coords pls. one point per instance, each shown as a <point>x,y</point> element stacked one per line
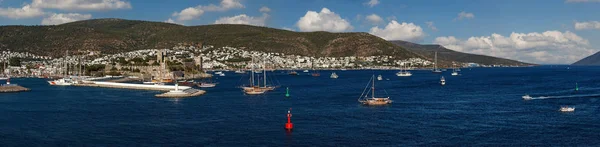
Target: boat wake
<point>565,96</point>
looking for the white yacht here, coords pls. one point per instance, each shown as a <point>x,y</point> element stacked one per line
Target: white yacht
<point>206,85</point>
<point>443,81</point>
<point>379,78</point>
<point>566,109</point>
<point>61,82</point>
<point>527,97</point>
<point>454,73</point>
<point>240,72</point>
<point>306,71</point>
<point>333,75</point>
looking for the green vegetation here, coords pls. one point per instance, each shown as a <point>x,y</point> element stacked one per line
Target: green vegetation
<point>15,61</point>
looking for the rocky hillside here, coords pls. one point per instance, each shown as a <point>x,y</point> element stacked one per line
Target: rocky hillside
<point>446,55</point>
<point>592,60</point>
<point>118,35</point>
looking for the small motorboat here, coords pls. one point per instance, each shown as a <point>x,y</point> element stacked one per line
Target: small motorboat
<point>379,78</point>
<point>454,73</point>
<point>527,97</point>
<point>306,71</point>
<point>566,109</point>
<point>443,81</point>
<point>206,85</point>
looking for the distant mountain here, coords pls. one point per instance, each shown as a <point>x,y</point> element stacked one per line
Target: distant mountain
<point>119,35</point>
<point>446,56</point>
<point>592,60</point>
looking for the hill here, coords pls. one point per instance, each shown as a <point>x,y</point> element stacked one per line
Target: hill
<point>592,60</point>
<point>446,55</point>
<point>118,35</point>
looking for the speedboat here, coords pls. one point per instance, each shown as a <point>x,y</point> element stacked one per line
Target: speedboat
<point>218,72</point>
<point>443,81</point>
<point>404,74</point>
<point>206,85</point>
<point>527,97</point>
<point>61,82</point>
<point>454,73</point>
<point>566,109</point>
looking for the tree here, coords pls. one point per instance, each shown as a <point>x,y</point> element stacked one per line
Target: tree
<point>15,61</point>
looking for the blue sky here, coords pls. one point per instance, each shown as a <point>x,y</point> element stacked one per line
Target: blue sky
<point>538,31</point>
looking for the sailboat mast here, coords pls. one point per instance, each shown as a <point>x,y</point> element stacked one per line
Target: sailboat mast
<point>435,60</point>
<point>252,73</point>
<point>373,86</point>
<point>264,73</point>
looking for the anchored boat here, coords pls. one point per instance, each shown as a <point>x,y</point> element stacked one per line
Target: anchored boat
<point>364,99</point>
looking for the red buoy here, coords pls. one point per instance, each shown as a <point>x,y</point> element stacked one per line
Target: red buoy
<point>289,126</point>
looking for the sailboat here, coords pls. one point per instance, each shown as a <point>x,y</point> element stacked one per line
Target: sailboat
<point>454,71</point>
<point>403,73</point>
<point>365,100</point>
<point>252,89</point>
<point>442,81</point>
<point>265,87</point>
<point>333,75</point>
<point>435,68</point>
<point>63,81</point>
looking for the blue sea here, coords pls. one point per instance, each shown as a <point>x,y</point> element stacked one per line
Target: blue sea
<point>481,107</point>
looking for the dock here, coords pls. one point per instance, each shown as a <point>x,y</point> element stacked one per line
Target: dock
<point>174,91</point>
<point>130,86</point>
<point>182,94</point>
<point>12,88</point>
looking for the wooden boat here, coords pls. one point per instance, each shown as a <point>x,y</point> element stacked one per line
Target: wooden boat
<point>365,100</point>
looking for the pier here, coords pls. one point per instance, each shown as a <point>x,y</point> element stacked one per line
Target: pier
<point>12,88</point>
<point>130,86</point>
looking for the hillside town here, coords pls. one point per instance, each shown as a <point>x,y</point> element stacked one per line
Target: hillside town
<point>182,58</point>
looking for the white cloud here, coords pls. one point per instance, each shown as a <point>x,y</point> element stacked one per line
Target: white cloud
<point>431,26</point>
<point>464,15</point>
<point>323,21</point>
<point>581,1</point>
<point>81,4</point>
<point>289,29</point>
<point>399,31</point>
<point>587,25</point>
<point>374,19</point>
<point>195,12</point>
<point>550,47</point>
<point>264,9</point>
<point>56,19</point>
<point>372,3</point>
<point>244,19</point>
<point>173,21</point>
<point>26,11</point>
<point>188,14</point>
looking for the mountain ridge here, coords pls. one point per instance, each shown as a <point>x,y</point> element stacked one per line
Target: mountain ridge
<point>445,55</point>
<point>591,60</point>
